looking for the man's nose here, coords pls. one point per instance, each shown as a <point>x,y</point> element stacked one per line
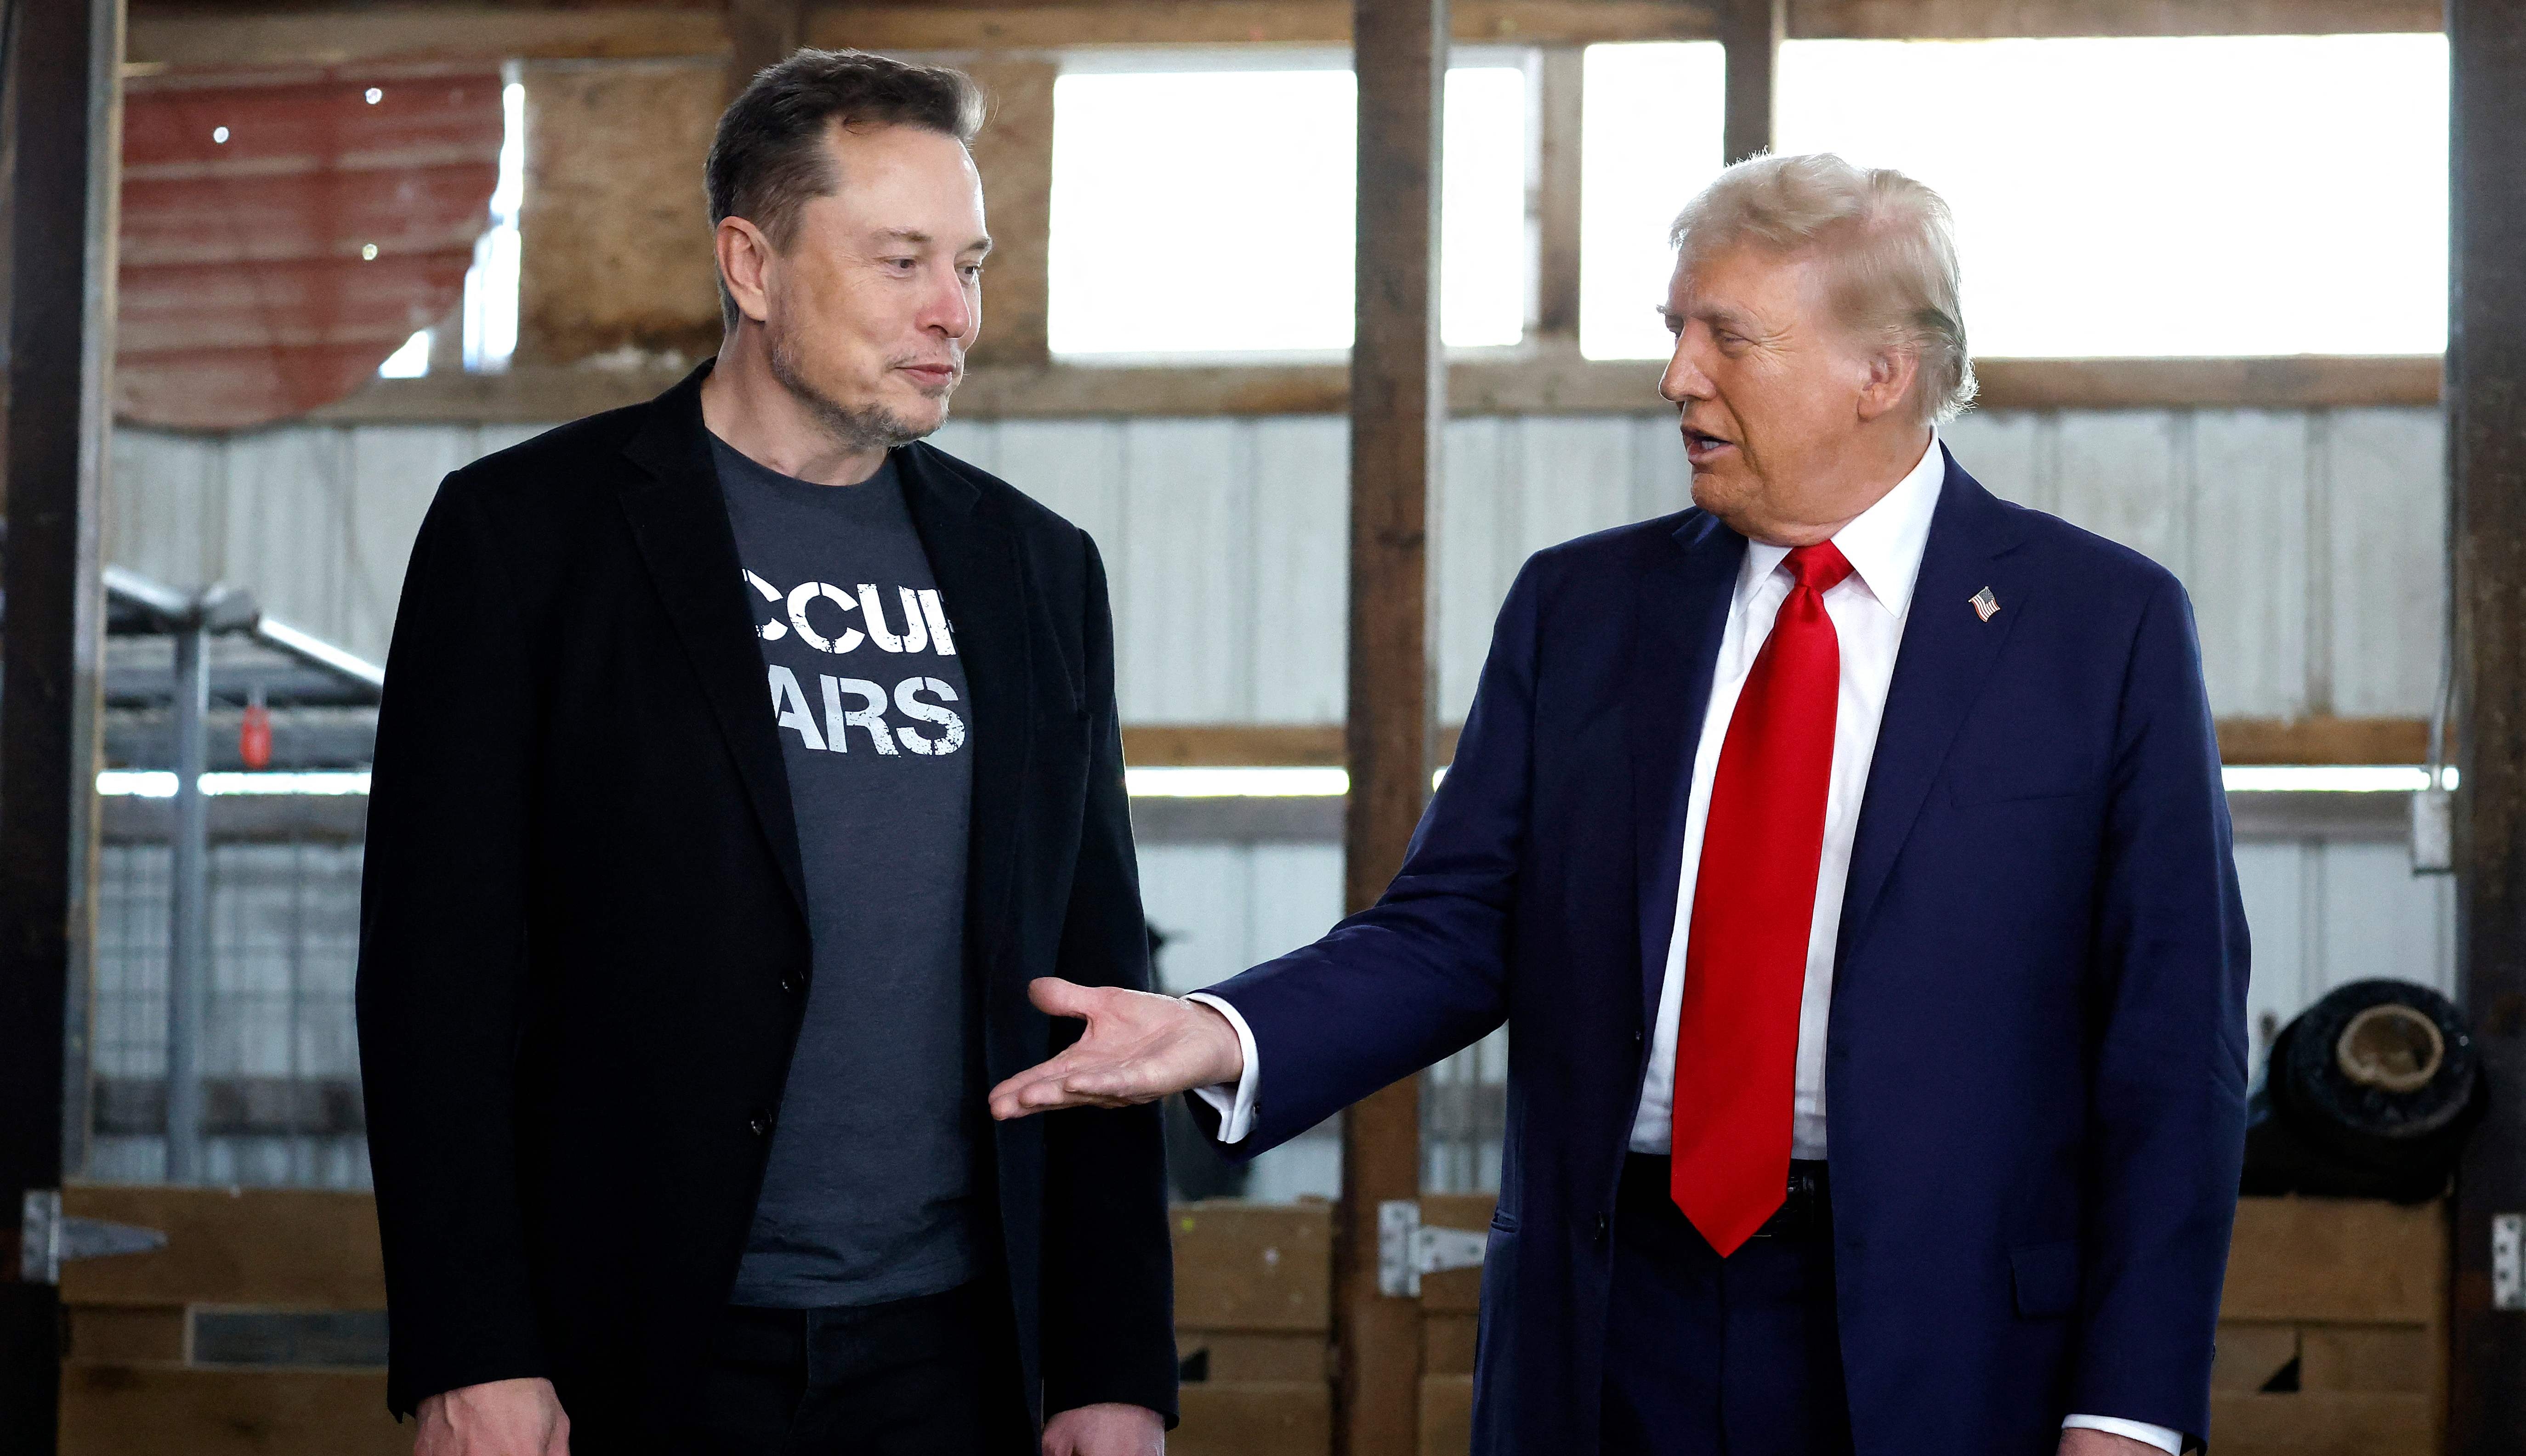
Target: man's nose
<point>952,309</point>
<point>1684,380</point>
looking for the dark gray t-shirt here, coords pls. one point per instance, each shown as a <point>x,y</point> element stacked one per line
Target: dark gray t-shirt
<point>868,1195</point>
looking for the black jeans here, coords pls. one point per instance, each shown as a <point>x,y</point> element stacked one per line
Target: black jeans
<point>937,1375</point>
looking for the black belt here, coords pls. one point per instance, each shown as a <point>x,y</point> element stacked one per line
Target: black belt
<point>1805,1212</point>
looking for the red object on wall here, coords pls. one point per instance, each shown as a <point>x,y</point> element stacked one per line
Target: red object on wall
<point>254,736</point>
<point>282,233</point>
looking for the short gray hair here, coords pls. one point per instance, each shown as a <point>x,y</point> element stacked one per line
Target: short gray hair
<point>1888,241</point>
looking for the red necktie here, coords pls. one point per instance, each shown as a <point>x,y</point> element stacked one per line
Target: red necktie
<point>1744,964</point>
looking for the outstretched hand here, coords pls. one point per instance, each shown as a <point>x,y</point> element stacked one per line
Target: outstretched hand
<point>1137,1048</point>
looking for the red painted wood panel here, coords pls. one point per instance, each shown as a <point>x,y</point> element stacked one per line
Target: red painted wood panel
<point>281,234</point>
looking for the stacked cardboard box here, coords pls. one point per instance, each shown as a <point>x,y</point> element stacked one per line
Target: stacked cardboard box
<point>1253,1319</point>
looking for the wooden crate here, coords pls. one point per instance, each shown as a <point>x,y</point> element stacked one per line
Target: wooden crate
<point>1255,1418</point>
<point>1257,1267</point>
<point>2345,1298</point>
<point>183,1410</point>
<point>128,1386</point>
<point>2350,1291</point>
<point>1254,1312</point>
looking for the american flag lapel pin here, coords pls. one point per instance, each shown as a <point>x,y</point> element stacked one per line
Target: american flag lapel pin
<point>1984,605</point>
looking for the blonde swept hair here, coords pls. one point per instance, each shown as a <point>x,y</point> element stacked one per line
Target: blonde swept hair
<point>1887,241</point>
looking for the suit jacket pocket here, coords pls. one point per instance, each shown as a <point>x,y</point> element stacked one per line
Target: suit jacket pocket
<point>2047,1277</point>
<point>1971,785</point>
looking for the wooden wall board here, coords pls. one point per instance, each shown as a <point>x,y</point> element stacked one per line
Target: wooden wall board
<point>2337,1260</point>
<point>1447,1413</point>
<point>301,1248</point>
<point>111,1334</point>
<point>164,37</point>
<point>1448,1342</point>
<point>113,1410</point>
<point>1254,1417</point>
<point>2311,1422</point>
<point>1239,1356</point>
<point>616,238</point>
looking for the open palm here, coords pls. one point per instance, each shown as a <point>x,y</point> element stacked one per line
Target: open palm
<point>1137,1048</point>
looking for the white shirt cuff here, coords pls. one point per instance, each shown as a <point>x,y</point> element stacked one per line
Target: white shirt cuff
<point>2169,1441</point>
<point>1234,1104</point>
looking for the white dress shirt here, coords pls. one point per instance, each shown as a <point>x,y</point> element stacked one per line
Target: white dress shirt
<point>1868,609</point>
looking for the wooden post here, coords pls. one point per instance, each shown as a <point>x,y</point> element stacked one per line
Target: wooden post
<point>1558,198</point>
<point>1398,405</point>
<point>2485,407</point>
<point>760,33</point>
<point>63,97</point>
<point>1752,31</point>
<point>1014,154</point>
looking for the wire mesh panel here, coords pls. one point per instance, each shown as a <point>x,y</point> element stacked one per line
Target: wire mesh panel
<point>279,1055</point>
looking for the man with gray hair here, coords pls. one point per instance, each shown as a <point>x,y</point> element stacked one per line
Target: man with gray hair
<point>1848,856</point>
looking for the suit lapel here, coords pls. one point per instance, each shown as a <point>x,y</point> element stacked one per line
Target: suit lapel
<point>1946,655</point>
<point>681,522</point>
<point>982,579</point>
<point>1677,617</point>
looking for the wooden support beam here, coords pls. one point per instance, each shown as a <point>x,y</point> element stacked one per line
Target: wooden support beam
<point>63,133</point>
<point>2241,741</point>
<point>178,33</point>
<point>1070,24</point>
<point>1014,153</point>
<point>1752,31</point>
<point>761,33</point>
<point>2486,406</point>
<point>1988,19</point>
<point>1398,412</point>
<point>1549,383</point>
<point>1559,198</point>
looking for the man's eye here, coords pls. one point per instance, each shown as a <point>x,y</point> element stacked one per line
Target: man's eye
<point>973,270</point>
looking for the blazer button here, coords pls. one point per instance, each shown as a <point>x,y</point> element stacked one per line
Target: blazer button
<point>790,984</point>
<point>759,1123</point>
<point>1601,1227</point>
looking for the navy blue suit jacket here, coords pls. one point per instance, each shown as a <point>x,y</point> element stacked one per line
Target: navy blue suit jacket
<point>2035,1062</point>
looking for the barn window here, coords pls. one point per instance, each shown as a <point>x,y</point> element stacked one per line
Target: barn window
<point>1209,211</point>
<point>2136,197</point>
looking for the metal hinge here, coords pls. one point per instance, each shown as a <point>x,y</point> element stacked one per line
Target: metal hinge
<point>47,1240</point>
<point>2509,1261</point>
<point>1405,1250</point>
<point>2434,831</point>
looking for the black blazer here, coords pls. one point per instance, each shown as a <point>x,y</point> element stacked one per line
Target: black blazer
<point>584,940</point>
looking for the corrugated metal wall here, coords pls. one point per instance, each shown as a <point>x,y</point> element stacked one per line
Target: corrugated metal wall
<point>2311,541</point>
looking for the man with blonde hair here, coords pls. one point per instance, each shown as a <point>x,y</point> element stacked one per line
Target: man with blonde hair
<point>1848,856</point>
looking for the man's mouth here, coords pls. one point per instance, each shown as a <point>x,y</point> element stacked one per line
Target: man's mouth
<point>932,376</point>
<point>1700,446</point>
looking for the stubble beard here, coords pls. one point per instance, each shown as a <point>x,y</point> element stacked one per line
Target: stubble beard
<point>871,427</point>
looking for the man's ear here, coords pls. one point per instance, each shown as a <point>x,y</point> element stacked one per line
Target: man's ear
<point>744,257</point>
<point>1892,371</point>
